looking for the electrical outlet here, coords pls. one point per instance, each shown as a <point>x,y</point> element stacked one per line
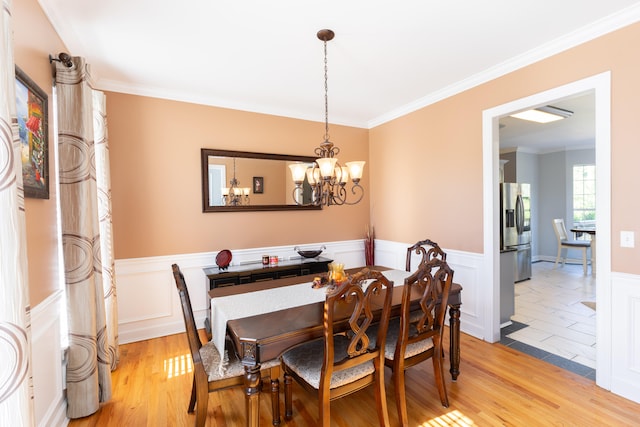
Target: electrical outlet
<point>627,239</point>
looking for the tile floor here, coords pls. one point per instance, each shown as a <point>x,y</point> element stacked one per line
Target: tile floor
<point>551,322</point>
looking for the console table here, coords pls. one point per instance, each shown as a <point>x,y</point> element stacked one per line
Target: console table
<point>256,272</point>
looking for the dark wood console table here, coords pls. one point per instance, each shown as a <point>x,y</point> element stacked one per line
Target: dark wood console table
<point>256,272</point>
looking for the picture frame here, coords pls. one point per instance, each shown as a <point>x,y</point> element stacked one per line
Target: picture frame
<point>258,184</point>
<point>32,113</point>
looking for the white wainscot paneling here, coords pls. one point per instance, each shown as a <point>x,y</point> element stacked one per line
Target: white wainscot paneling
<point>625,304</point>
<point>148,304</point>
<point>467,269</point>
<point>46,361</point>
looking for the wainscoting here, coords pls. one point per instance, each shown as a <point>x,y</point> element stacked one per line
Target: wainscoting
<point>148,305</point>
<point>47,354</point>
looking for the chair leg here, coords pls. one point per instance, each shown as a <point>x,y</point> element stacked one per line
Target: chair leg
<point>584,260</point>
<point>288,410</point>
<point>192,402</point>
<point>558,257</point>
<point>438,373</point>
<point>381,397</point>
<point>401,398</point>
<point>202,398</point>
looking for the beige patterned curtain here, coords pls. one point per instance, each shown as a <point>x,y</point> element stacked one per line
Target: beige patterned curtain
<point>16,389</point>
<point>86,239</point>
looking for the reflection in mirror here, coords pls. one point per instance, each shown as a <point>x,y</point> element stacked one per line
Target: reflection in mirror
<point>247,181</point>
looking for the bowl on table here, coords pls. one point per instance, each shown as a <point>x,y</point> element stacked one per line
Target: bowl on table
<point>309,253</point>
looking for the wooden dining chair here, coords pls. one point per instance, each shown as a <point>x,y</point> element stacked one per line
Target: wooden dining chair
<point>565,243</point>
<point>417,335</point>
<point>428,249</point>
<point>343,361</point>
<point>207,377</point>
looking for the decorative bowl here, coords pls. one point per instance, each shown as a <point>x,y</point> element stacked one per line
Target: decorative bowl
<point>309,253</point>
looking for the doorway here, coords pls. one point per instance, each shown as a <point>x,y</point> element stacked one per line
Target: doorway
<point>600,84</point>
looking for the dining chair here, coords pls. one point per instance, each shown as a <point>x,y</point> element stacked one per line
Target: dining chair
<point>343,361</point>
<point>565,243</point>
<point>417,335</point>
<point>432,250</point>
<point>207,375</point>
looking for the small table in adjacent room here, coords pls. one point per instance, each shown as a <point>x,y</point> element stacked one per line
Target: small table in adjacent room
<point>591,231</point>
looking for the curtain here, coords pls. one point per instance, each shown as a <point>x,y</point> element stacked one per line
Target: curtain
<point>86,239</point>
<point>16,389</point>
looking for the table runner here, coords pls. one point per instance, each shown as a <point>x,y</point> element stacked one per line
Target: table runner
<point>249,304</point>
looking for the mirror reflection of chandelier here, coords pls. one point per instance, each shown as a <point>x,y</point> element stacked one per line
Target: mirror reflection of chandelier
<point>327,178</point>
<point>235,195</point>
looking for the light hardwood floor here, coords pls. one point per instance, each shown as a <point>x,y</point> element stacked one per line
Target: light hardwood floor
<point>498,386</point>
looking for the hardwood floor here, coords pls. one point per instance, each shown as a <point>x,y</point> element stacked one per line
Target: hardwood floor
<point>498,386</point>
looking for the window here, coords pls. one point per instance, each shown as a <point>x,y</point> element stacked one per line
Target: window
<point>584,193</point>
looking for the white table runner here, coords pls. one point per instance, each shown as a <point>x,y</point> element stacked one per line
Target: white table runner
<point>249,304</point>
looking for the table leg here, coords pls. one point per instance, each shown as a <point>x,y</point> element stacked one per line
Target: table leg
<point>275,396</point>
<point>454,341</point>
<point>593,255</point>
<point>252,394</point>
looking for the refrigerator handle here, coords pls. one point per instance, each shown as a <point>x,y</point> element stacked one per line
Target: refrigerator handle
<point>519,215</point>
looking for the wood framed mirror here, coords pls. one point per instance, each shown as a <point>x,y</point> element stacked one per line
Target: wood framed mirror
<point>262,182</point>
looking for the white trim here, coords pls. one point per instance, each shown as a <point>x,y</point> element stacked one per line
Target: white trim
<point>601,84</point>
<point>50,405</point>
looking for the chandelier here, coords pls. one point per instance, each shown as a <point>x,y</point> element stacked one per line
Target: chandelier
<point>235,195</point>
<point>326,177</point>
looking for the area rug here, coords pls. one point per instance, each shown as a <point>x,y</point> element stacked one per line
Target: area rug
<point>590,304</point>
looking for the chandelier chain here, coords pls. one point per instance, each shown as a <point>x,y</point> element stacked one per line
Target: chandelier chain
<point>326,95</point>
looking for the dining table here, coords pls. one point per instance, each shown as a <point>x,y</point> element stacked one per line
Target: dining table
<point>264,319</point>
<point>591,231</point>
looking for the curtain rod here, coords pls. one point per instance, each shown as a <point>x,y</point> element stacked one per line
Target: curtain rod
<point>63,57</point>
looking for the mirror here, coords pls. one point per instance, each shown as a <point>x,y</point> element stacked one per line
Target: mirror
<point>245,181</point>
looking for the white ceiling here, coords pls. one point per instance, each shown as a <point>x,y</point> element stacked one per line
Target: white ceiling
<point>387,59</point>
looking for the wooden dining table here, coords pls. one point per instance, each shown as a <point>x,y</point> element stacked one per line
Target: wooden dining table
<point>265,336</point>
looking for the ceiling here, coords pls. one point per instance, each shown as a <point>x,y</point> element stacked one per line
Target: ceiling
<point>387,59</point>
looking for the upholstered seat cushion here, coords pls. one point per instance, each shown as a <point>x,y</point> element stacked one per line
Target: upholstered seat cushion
<point>230,368</point>
<point>393,332</point>
<point>306,361</point>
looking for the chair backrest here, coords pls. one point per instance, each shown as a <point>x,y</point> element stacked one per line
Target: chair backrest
<point>560,230</point>
<point>430,286</point>
<point>189,322</point>
<point>356,299</point>
<point>433,251</point>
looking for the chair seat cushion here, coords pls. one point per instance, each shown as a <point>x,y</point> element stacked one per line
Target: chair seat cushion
<point>393,332</point>
<point>230,368</point>
<point>306,361</point>
<point>577,243</point>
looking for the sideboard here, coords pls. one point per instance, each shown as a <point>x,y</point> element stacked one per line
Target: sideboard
<point>256,272</point>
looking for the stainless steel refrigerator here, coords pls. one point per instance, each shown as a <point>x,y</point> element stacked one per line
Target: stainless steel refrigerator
<point>515,225</point>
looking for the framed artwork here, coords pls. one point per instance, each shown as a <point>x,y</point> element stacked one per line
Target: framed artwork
<point>258,184</point>
<point>31,109</point>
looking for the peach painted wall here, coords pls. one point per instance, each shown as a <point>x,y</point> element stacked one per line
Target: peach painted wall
<point>156,179</point>
<point>436,152</point>
<point>34,40</point>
